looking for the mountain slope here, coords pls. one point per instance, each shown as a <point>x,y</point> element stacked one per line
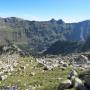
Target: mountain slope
<point>36,36</point>
<point>63,47</point>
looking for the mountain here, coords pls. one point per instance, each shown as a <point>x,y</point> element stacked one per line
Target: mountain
<point>66,47</point>
<point>63,47</point>
<point>37,36</point>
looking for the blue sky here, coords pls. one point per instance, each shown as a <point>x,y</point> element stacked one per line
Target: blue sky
<point>68,10</point>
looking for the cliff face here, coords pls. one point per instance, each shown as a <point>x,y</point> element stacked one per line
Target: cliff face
<point>38,36</point>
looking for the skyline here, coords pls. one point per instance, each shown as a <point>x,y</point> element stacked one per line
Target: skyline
<point>43,10</point>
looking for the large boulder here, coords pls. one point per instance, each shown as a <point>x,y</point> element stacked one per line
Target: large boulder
<point>65,85</point>
<point>78,84</point>
<point>82,59</point>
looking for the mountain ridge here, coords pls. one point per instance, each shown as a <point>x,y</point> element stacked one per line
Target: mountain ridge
<point>37,36</point>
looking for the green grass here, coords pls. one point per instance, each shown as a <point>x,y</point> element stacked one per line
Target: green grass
<point>48,80</point>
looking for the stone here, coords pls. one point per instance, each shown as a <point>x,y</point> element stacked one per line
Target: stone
<point>65,65</point>
<point>9,74</point>
<point>48,68</point>
<point>1,72</point>
<point>27,65</point>
<point>55,65</point>
<point>72,73</point>
<point>11,68</point>
<point>82,59</point>
<point>22,67</point>
<point>62,68</point>
<point>32,73</point>
<point>3,77</point>
<point>78,84</point>
<point>59,78</point>
<point>61,62</point>
<point>65,85</point>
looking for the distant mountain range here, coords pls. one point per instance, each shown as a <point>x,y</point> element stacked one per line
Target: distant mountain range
<point>37,36</point>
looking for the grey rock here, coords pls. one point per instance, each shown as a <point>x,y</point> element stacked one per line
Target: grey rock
<point>65,85</point>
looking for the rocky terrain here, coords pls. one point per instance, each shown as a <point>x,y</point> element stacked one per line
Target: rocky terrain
<point>18,72</point>
<point>46,55</point>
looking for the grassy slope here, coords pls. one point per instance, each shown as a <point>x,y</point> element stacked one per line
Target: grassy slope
<point>47,80</point>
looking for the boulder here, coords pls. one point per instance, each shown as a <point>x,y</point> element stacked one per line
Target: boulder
<point>65,85</point>
<point>62,68</point>
<point>82,59</point>
<point>65,65</point>
<point>3,77</point>
<point>78,84</point>
<point>55,65</point>
<point>1,72</point>
<point>9,74</point>
<point>32,73</point>
<point>11,68</point>
<point>61,62</point>
<point>72,73</point>
<point>27,65</point>
<point>48,67</point>
<point>22,67</point>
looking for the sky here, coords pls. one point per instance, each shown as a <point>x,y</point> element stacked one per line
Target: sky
<point>43,10</point>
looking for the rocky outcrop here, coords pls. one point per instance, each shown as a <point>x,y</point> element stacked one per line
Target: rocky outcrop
<point>74,81</point>
<point>82,59</point>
